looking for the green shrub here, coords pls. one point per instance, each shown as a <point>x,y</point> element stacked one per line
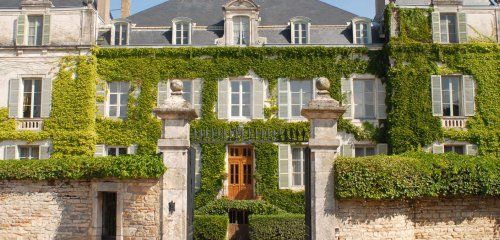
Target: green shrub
<point>288,200</point>
<point>210,227</point>
<point>277,227</point>
<point>415,175</point>
<point>80,168</point>
<point>223,206</point>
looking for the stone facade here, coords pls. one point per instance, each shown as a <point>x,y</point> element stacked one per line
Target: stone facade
<point>453,218</point>
<point>67,209</point>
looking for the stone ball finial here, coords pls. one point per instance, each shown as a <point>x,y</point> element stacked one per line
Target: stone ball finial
<point>323,84</point>
<point>176,86</point>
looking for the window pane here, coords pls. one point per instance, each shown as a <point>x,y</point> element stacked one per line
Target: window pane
<point>296,110</point>
<point>113,87</point>
<point>359,152</point>
<point>235,98</point>
<point>111,151</point>
<point>370,151</point>
<point>459,149</point>
<point>113,99</point>
<point>35,154</point>
<point>235,86</point>
<point>247,111</point>
<point>113,111</point>
<point>123,111</point>
<point>123,99</point>
<point>246,86</point>
<point>23,152</point>
<point>235,111</point>
<point>36,111</point>
<point>246,98</point>
<point>122,151</point>
<point>297,179</point>
<point>448,148</point>
<point>296,153</point>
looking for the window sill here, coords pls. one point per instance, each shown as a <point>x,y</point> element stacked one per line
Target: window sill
<point>459,122</point>
<point>359,122</point>
<point>29,124</point>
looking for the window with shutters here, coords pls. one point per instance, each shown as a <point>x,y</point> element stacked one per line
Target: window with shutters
<point>241,30</point>
<point>453,99</point>
<point>300,30</point>
<point>32,98</point>
<point>293,96</point>
<point>364,98</point>
<point>29,152</point>
<point>117,151</point>
<point>361,29</point>
<point>187,91</point>
<point>291,167</point>
<point>449,27</point>
<point>364,151</point>
<point>298,161</point>
<point>121,33</point>
<point>35,30</point>
<point>452,95</point>
<point>458,149</point>
<point>241,99</point>
<point>118,99</point>
<point>181,31</point>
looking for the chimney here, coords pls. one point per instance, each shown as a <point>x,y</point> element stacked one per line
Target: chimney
<point>125,13</point>
<point>103,8</point>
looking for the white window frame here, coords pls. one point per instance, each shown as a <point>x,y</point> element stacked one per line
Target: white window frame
<point>32,96</point>
<point>37,38</point>
<point>454,146</point>
<point>123,26</point>
<point>117,149</point>
<point>289,98</point>
<point>30,151</point>
<point>445,30</point>
<point>241,31</point>
<point>460,95</point>
<point>363,23</point>
<point>240,94</point>
<point>290,171</point>
<point>374,100</point>
<point>118,104</point>
<point>302,22</point>
<point>365,147</point>
<point>182,21</point>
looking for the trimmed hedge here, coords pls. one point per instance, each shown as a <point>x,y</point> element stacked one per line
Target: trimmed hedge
<point>223,206</point>
<point>416,175</point>
<point>210,227</point>
<point>277,227</point>
<point>81,168</point>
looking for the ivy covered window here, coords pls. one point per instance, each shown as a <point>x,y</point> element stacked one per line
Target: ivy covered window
<point>117,151</point>
<point>241,99</point>
<point>462,148</point>
<point>449,27</point>
<point>448,22</point>
<point>300,30</point>
<point>453,96</point>
<point>118,99</point>
<point>455,148</point>
<point>181,31</point>
<point>241,30</point>
<point>364,98</point>
<point>29,152</point>
<point>293,96</point>
<point>32,98</point>
<point>364,151</point>
<point>291,167</point>
<point>121,33</point>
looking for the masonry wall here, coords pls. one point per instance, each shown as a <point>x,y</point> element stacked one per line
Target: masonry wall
<point>458,218</point>
<point>66,210</point>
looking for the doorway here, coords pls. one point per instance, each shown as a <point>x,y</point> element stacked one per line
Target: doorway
<point>240,173</point>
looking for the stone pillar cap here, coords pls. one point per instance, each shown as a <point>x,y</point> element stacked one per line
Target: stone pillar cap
<point>175,107</point>
<point>324,106</point>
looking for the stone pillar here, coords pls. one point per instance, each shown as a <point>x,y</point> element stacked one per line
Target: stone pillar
<point>176,114</point>
<point>125,9</point>
<point>323,114</point>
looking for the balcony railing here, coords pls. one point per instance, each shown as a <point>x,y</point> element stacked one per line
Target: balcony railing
<point>239,134</point>
<point>29,124</point>
<point>454,122</point>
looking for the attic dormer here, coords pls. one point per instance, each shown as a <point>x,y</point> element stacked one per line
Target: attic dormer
<point>241,22</point>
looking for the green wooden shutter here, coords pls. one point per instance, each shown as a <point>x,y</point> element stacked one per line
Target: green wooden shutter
<point>382,148</point>
<point>462,27</point>
<point>100,151</point>
<point>162,93</point>
<point>436,27</point>
<point>471,149</point>
<point>437,95</point>
<point>197,97</point>
<point>46,97</point>
<point>438,149</point>
<point>283,93</point>
<point>10,152</point>
<point>348,150</point>
<point>21,25</point>
<point>46,30</point>
<point>381,107</point>
<point>44,152</point>
<point>222,98</point>
<point>14,91</point>
<point>284,161</point>
<point>347,97</point>
<point>258,98</point>
<point>101,99</point>
<point>469,95</point>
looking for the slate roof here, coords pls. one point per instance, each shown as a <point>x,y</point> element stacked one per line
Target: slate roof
<point>57,3</point>
<point>272,12</point>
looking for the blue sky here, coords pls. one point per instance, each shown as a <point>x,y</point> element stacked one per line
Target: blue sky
<point>365,8</point>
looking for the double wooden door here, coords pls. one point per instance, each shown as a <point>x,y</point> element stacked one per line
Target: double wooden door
<point>240,173</point>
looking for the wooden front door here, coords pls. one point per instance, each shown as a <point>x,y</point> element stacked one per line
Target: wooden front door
<point>240,173</point>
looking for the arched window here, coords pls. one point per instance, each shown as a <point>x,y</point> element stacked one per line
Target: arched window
<point>241,30</point>
<point>362,31</point>
<point>181,31</point>
<point>300,30</point>
<point>121,33</point>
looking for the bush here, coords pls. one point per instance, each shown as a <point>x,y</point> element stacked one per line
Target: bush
<point>223,206</point>
<point>210,227</point>
<point>288,200</point>
<point>416,175</point>
<point>274,227</point>
<point>80,168</point>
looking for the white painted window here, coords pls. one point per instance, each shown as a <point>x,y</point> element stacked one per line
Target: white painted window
<point>117,151</point>
<point>29,152</point>
<point>241,99</point>
<point>241,30</point>
<point>187,91</point>
<point>298,173</point>
<point>452,95</point>
<point>291,167</point>
<point>118,99</point>
<point>300,33</point>
<point>364,99</point>
<point>32,98</point>
<point>448,25</point>
<point>362,29</point>
<point>35,30</point>
<point>182,33</point>
<point>121,33</point>
<point>293,96</point>
<point>364,151</point>
<point>458,149</point>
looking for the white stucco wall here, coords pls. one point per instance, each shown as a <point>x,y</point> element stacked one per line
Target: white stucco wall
<point>481,24</point>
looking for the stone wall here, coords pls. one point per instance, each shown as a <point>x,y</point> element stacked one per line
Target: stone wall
<point>458,218</point>
<point>66,210</point>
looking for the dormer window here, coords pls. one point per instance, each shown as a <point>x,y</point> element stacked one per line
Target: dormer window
<point>362,31</point>
<point>181,31</point>
<point>121,33</point>
<point>299,27</point>
<point>241,29</point>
